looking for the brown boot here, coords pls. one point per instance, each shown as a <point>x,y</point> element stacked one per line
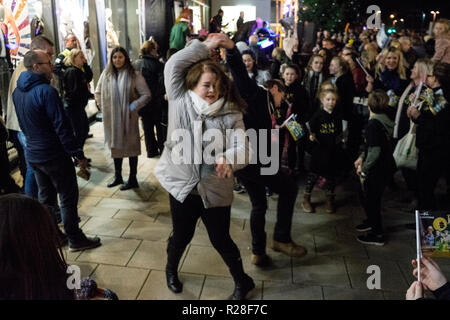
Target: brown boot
<point>330,203</point>
<point>290,248</point>
<point>306,204</point>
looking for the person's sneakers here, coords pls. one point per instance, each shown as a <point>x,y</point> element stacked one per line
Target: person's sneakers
<point>363,227</point>
<point>238,188</point>
<point>371,239</point>
<point>260,260</point>
<point>84,244</point>
<point>243,288</point>
<point>89,136</point>
<point>289,248</point>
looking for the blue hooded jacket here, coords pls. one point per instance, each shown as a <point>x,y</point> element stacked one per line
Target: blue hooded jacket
<point>42,119</point>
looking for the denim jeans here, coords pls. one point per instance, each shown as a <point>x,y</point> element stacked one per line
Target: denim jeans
<point>31,187</point>
<point>57,177</point>
<point>287,189</point>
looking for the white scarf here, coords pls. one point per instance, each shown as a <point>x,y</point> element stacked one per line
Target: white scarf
<point>202,107</point>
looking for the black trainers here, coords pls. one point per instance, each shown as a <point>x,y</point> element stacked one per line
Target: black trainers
<point>84,244</point>
<point>371,239</point>
<point>363,227</point>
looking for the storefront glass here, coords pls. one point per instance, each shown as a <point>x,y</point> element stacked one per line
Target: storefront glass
<point>231,16</point>
<point>73,17</point>
<point>15,24</point>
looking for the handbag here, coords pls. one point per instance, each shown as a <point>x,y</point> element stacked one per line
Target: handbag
<point>406,153</point>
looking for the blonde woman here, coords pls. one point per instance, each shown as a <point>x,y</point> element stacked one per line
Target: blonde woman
<point>121,92</point>
<point>77,94</point>
<point>442,47</point>
<point>390,75</point>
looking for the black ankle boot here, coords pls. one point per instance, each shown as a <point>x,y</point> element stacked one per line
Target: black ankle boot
<point>173,283</point>
<point>242,288</point>
<point>117,181</point>
<point>131,184</point>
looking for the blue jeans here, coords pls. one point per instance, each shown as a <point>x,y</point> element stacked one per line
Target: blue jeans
<point>57,177</point>
<point>31,187</point>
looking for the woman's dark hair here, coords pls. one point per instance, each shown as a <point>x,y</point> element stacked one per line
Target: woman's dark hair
<point>224,84</point>
<point>275,82</point>
<point>294,67</point>
<point>31,265</point>
<point>441,71</point>
<point>378,101</point>
<point>112,70</point>
<point>255,67</point>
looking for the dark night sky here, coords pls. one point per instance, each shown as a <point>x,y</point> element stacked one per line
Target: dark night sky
<point>404,6</point>
<point>410,10</point>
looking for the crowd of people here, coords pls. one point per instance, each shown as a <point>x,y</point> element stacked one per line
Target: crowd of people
<point>350,100</point>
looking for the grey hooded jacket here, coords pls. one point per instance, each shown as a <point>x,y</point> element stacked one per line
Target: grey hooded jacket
<point>181,177</point>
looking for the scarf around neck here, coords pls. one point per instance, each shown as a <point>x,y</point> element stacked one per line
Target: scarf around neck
<point>117,94</point>
<point>202,107</point>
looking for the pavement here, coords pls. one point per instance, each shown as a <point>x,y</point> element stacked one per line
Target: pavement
<point>134,227</point>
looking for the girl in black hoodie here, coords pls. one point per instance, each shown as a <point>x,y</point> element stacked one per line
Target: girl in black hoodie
<point>326,133</point>
<point>298,99</point>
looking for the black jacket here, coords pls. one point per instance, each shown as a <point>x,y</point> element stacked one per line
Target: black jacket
<point>433,130</point>
<point>41,116</point>
<point>76,91</point>
<point>346,90</point>
<point>298,96</point>
<point>153,72</point>
<point>257,115</point>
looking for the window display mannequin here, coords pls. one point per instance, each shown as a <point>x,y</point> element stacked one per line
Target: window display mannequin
<point>37,25</point>
<point>6,18</point>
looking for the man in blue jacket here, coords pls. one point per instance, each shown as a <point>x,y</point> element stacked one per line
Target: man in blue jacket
<point>50,144</point>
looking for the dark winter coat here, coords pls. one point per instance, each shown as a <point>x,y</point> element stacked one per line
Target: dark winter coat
<point>346,90</point>
<point>153,72</point>
<point>42,118</point>
<point>297,95</point>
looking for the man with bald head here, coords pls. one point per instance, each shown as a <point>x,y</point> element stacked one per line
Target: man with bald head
<point>51,144</point>
<point>70,42</point>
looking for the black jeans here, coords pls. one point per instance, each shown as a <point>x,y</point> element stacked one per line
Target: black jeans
<point>58,177</point>
<point>154,145</point>
<point>432,165</point>
<point>80,123</point>
<point>355,138</point>
<point>371,195</point>
<point>287,189</point>
<point>217,222</point>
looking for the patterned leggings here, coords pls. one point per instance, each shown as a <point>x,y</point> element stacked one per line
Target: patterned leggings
<point>312,180</point>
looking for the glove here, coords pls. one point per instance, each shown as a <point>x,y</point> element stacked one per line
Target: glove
<point>132,107</point>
